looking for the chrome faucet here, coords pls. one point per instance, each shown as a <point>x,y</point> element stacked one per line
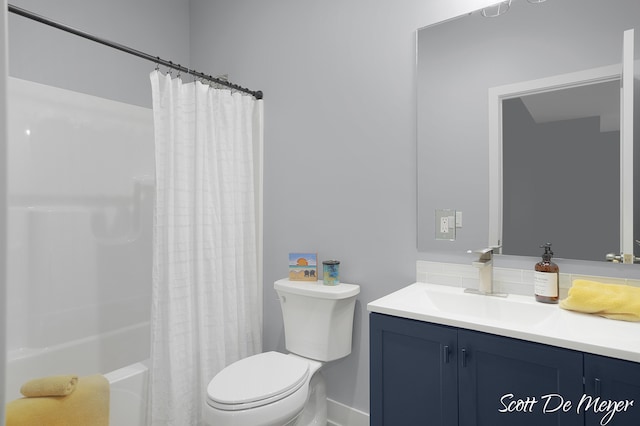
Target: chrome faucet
<point>485,273</point>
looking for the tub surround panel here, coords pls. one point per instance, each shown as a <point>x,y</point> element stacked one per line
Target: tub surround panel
<point>80,208</point>
<point>79,244</point>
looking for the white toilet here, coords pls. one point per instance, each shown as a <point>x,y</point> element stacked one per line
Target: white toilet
<point>274,389</point>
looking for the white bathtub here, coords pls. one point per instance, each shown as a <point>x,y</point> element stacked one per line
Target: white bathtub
<point>128,405</point>
<point>120,355</point>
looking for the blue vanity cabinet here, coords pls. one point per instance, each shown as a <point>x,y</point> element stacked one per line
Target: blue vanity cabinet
<point>612,380</point>
<point>413,373</point>
<point>504,381</point>
<point>435,375</point>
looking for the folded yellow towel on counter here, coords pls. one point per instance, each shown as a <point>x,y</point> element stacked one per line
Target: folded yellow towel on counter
<point>615,301</point>
<point>50,386</point>
<point>88,405</point>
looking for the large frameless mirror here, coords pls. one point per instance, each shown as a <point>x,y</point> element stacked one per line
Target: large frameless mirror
<point>519,129</point>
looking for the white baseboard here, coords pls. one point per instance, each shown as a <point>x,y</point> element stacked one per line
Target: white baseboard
<point>341,415</point>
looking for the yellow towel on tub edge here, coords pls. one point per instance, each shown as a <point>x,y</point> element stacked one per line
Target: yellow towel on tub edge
<point>614,301</point>
<point>88,405</point>
<point>61,385</point>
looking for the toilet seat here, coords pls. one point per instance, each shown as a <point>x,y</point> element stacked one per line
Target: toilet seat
<point>256,381</point>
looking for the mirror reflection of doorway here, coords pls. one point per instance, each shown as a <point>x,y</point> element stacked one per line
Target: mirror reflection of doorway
<point>587,188</point>
<point>561,171</point>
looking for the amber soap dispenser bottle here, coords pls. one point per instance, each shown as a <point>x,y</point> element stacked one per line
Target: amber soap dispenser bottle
<point>546,278</point>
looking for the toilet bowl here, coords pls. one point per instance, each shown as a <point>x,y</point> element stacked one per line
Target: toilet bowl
<point>276,389</point>
<point>268,389</point>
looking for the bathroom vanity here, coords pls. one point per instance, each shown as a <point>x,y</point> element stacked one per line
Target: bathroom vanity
<point>440,356</point>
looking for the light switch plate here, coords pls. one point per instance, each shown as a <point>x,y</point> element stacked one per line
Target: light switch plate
<point>445,224</point>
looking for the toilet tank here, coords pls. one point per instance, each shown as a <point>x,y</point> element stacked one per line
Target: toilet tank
<point>318,319</point>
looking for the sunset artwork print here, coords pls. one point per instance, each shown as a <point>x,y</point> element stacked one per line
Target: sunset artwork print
<point>303,266</point>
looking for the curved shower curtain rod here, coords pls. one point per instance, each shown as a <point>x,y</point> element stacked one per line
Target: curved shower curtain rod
<point>30,15</point>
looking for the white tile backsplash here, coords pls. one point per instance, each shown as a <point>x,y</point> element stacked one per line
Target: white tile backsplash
<point>507,275</point>
<point>453,280</point>
<point>505,280</point>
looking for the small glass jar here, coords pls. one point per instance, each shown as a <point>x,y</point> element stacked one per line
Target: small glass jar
<point>331,272</point>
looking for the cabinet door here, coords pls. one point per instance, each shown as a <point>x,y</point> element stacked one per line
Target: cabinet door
<point>614,380</point>
<point>495,372</point>
<point>413,373</point>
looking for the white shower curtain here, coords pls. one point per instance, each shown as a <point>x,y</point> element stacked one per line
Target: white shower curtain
<point>207,296</point>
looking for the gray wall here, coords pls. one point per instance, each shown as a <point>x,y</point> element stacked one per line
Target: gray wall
<point>50,56</point>
<point>339,83</point>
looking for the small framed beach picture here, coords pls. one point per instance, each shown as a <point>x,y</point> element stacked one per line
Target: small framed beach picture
<point>303,266</point>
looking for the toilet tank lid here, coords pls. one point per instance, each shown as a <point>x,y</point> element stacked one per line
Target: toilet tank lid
<point>317,289</point>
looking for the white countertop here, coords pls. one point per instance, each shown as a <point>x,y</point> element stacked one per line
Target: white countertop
<point>515,316</point>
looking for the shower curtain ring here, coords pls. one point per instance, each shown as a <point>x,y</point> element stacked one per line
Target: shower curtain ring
<point>158,63</point>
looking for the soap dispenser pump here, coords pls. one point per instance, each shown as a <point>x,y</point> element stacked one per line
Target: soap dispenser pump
<point>546,278</point>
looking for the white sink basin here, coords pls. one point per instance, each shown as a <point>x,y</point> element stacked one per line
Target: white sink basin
<point>510,309</point>
<point>513,316</point>
<point>453,302</point>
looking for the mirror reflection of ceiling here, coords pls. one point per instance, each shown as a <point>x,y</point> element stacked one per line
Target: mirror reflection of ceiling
<point>595,100</point>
